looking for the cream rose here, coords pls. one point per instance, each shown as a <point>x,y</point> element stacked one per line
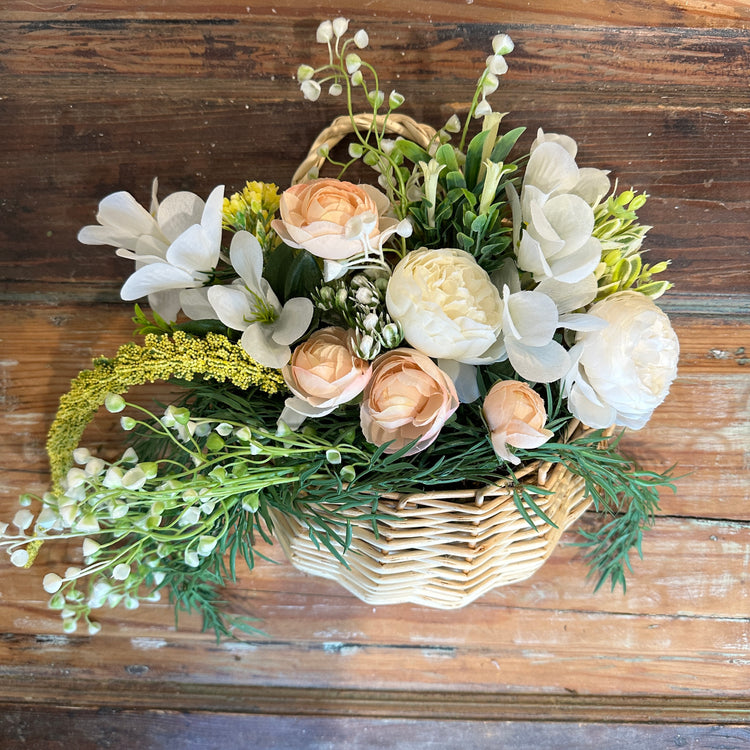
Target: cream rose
<point>447,306</point>
<point>516,416</point>
<point>322,374</point>
<point>623,371</point>
<point>408,397</point>
<point>327,217</point>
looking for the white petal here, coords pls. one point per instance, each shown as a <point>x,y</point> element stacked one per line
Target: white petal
<point>592,185</point>
<point>563,140</point>
<point>578,265</point>
<point>464,377</point>
<point>572,219</point>
<point>166,304</point>
<point>246,257</point>
<point>531,258</point>
<point>262,348</point>
<point>293,321</point>
<point>539,364</point>
<point>232,305</point>
<point>591,413</point>
<point>193,251</point>
<point>156,277</point>
<point>179,211</point>
<point>195,304</point>
<point>550,168</point>
<point>122,211</point>
<point>569,297</point>
<point>211,219</point>
<point>582,322</point>
<point>534,317</point>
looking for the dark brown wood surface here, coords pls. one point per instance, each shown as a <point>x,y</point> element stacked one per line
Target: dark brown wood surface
<point>97,97</point>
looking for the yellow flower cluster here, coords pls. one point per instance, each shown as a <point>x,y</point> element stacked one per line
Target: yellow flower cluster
<point>161,357</point>
<point>252,209</point>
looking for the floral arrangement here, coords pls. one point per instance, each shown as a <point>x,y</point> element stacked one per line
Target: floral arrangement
<point>440,325</point>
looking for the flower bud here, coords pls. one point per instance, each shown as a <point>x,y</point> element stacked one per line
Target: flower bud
<point>395,100</point>
<point>191,558</point>
<point>335,89</point>
<point>353,63</point>
<point>310,90</point>
<point>361,39</point>
<point>51,583</point>
<point>305,73</point>
<point>502,44</point>
<point>114,403</point>
<point>121,572</point>
<point>81,455</point>
<point>127,423</point>
<point>90,547</point>
<point>324,33</point>
<point>23,519</point>
<point>19,558</point>
<point>206,545</point>
<point>340,26</point>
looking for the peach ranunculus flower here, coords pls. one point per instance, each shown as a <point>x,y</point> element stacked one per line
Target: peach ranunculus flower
<point>515,415</point>
<point>408,397</point>
<point>323,373</point>
<point>331,219</point>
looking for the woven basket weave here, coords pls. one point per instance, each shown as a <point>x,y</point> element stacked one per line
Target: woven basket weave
<point>441,549</point>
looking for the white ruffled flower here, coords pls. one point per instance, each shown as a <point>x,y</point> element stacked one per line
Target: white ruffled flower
<point>252,307</point>
<point>186,265</point>
<point>447,305</point>
<point>621,373</point>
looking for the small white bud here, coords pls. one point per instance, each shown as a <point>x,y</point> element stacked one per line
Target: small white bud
<point>453,125</point>
<point>335,90</point>
<point>114,403</point>
<point>370,322</point>
<point>502,44</point>
<point>206,545</point>
<point>127,423</point>
<point>483,109</point>
<point>94,627</point>
<point>113,477</point>
<point>75,477</point>
<point>391,335</point>
<point>340,26</point>
<point>121,572</point>
<point>118,509</point>
<point>51,583</point>
<point>496,64</point>
<point>94,467</point>
<point>46,519</point>
<point>333,456</point>
<point>134,478</point>
<point>310,90</point>
<point>130,456</point>
<point>304,73</point>
<point>361,39</point>
<point>81,455</point>
<point>189,516</point>
<point>490,84</point>
<point>69,625</point>
<point>395,100</point>
<point>324,33</point>
<point>72,572</point>
<point>353,63</point>
<point>355,150</point>
<point>90,547</point>
<point>245,434</point>
<point>224,429</point>
<point>88,523</point>
<point>23,519</point>
<point>358,79</point>
<point>191,558</point>
<point>19,558</point>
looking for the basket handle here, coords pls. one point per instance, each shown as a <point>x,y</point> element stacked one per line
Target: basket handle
<point>403,125</point>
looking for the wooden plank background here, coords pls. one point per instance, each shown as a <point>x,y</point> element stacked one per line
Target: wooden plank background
<point>97,97</point>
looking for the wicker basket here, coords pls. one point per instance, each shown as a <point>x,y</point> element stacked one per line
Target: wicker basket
<point>442,549</point>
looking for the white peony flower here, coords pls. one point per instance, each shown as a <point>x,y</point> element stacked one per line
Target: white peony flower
<point>622,372</point>
<point>187,263</point>
<point>252,307</point>
<point>447,306</point>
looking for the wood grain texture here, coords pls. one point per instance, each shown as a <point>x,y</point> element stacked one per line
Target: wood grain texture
<point>98,97</point>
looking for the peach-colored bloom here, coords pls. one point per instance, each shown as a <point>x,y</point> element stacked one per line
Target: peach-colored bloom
<point>408,397</point>
<point>328,217</point>
<point>324,372</point>
<point>515,415</point>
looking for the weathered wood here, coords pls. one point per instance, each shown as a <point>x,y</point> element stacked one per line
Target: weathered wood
<point>97,98</point>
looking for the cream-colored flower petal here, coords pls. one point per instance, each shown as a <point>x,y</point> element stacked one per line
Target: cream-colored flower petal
<point>569,297</point>
<point>262,348</point>
<point>561,140</point>
<point>212,216</point>
<point>156,277</point>
<point>179,211</point>
<point>122,211</point>
<point>531,316</point>
<point>246,257</point>
<point>592,185</point>
<point>572,220</point>
<point>193,251</point>
<point>166,304</point>
<point>195,304</point>
<point>538,364</point>
<point>293,321</point>
<point>576,266</point>
<point>232,305</point>
<point>551,168</point>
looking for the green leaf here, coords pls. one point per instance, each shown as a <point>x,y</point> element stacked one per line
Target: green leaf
<point>411,151</point>
<point>455,181</point>
<point>303,276</point>
<point>474,159</point>
<point>504,144</point>
<point>446,155</point>
<point>276,268</point>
